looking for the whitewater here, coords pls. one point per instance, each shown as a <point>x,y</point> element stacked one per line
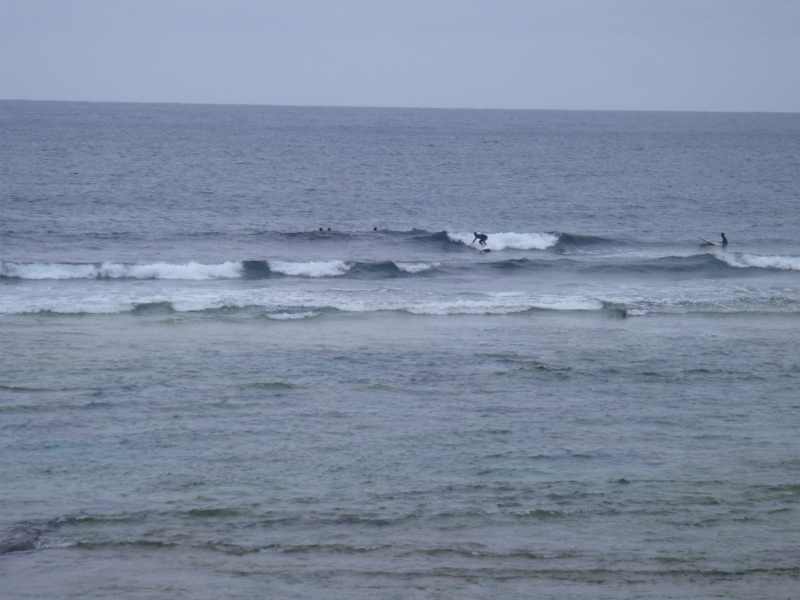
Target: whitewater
<point>526,272</point>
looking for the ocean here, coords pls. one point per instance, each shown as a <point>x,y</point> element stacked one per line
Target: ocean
<point>257,352</point>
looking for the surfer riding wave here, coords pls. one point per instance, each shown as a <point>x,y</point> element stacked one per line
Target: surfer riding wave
<point>481,237</point>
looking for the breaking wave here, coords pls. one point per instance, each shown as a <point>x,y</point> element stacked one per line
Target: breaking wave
<point>331,268</point>
<point>708,263</point>
<point>510,240</point>
<point>115,270</point>
<point>756,261</point>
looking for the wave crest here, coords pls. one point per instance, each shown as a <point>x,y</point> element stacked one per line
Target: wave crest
<point>114,270</point>
<point>510,240</point>
<point>417,267</point>
<point>331,268</point>
<point>748,261</point>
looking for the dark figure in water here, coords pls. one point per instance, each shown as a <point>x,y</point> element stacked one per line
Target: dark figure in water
<point>481,237</point>
<point>724,239</point>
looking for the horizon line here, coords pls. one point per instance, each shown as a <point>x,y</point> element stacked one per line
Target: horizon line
<point>401,107</point>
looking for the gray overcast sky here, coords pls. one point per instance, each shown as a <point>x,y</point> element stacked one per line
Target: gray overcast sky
<point>705,55</point>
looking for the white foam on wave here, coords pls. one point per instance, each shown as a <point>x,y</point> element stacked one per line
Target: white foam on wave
<point>64,304</point>
<point>569,304</point>
<point>510,240</point>
<point>499,306</point>
<point>417,267</point>
<point>277,302</point>
<point>111,270</point>
<point>331,268</point>
<point>291,316</point>
<point>192,271</point>
<point>745,261</point>
<point>48,271</point>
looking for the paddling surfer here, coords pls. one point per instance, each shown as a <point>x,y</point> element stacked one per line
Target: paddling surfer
<point>723,243</point>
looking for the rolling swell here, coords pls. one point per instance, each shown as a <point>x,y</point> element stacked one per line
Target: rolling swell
<point>434,240</point>
<point>414,236</point>
<point>28,535</point>
<point>571,242</point>
<point>386,269</point>
<point>520,264</point>
<point>311,236</point>
<point>256,269</point>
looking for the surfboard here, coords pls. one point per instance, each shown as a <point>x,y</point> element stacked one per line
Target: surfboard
<point>708,242</point>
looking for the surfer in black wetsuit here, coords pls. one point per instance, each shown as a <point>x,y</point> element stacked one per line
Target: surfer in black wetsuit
<point>481,237</point>
<point>724,239</point>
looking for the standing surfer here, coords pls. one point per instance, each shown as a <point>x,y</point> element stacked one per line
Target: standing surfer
<point>481,237</point>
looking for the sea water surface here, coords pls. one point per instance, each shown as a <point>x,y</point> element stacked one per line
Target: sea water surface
<point>255,352</point>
